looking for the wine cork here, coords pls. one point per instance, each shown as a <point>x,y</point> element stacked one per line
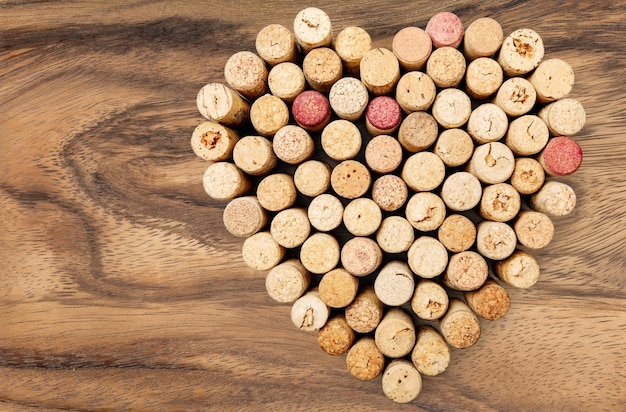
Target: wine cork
<point>287,281</point>
<point>431,354</point>
<point>336,337</point>
<point>495,240</point>
<point>365,312</point>
<point>219,103</point>
<point>401,381</point>
<point>466,271</point>
<point>418,131</point>
<point>268,115</point>
<point>423,171</point>
<point>244,216</point>
<point>312,178</point>
<point>454,147</point>
<point>430,300</point>
<point>446,66</point>
<point>394,284</point>
<point>312,28</point>
<point>425,211</point>
<point>554,199</point>
<point>338,288</point>
<point>254,155</point>
<point>365,361</point>
<point>325,212</point>
<point>451,108</point>
<point>395,334</point>
<point>225,181</point>
<point>427,257</point>
<point>562,156</point>
<point>361,256</point>
<point>461,191</point>
<point>276,192</point>
<point>492,163</point>
<point>516,96</point>
<point>521,52</point>
<point>500,202</point>
<point>564,117</point>
<point>412,46</point>
<point>380,71</point>
<point>341,139</point>
<point>320,253</point>
<point>533,229</point>
<point>445,29</point>
<point>528,175</point>
<point>292,144</point>
<point>348,98</point>
<point>490,301</point>
<point>213,142</point>
<point>322,67</point>
<point>245,72</point>
<point>519,270</point>
<point>487,123</point>
<point>362,217</point>
<point>350,179</point>
<point>351,44</point>
<point>286,81</point>
<point>261,252</point>
<point>395,234</point>
<point>309,313</point>
<point>459,326</point>
<point>383,154</point>
<point>276,44</point>
<point>483,77</point>
<point>290,227</point>
<point>382,116</point>
<point>311,110</point>
<point>527,135</point>
<point>457,233</point>
<point>553,79</point>
<point>389,192</point>
<point>483,37</point>
<point>415,91</point>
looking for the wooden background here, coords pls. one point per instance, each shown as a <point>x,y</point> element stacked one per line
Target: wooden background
<point>121,290</point>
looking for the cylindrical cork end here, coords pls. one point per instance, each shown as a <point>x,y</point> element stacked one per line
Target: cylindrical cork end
<point>446,66</point>
<point>415,91</point>
<point>452,108</point>
<point>516,96</point>
<point>244,216</point>
<point>322,67</point>
<point>362,217</point>
<point>261,252</point>
<point>311,110</point>
<point>341,140</point>
<point>351,44</point>
<point>312,178</point>
<point>500,202</point>
<point>527,135</point>
<point>220,103</point>
<point>395,234</point>
<point>336,337</point>
<point>457,233</point>
<point>380,71</point>
<point>412,46</point>
<point>350,179</point>
<point>254,155</point>
<point>454,146</point>
<point>483,37</point>
<point>521,52</point>
<point>534,230</point>
<point>338,288</point>
<point>276,192</point>
<point>459,326</point>
<point>287,281</point>
<point>394,284</point>
<point>554,199</point>
<point>418,131</point>
<point>401,381</point>
<point>383,154</point>
<point>431,354</point>
<point>395,335</point>
<point>213,142</point>
<point>487,123</point>
<point>423,171</point>
<point>320,253</point>
<point>383,116</point>
<point>445,29</point>
<point>246,72</point>
<point>286,81</point>
<point>276,44</point>
<point>495,240</point>
<point>293,145</point>
<point>425,211</point>
<point>461,191</point>
<point>553,79</point>
<point>430,300</point>
<point>390,192</point>
<point>483,77</point>
<point>365,312</point>
<point>466,271</point>
<point>312,28</point>
<point>225,181</point>
<point>325,212</point>
<point>564,117</point>
<point>290,227</point>
<point>490,302</point>
<point>348,98</point>
<point>562,156</point>
<point>427,257</point>
<point>528,175</point>
<point>364,360</point>
<point>361,256</point>
<point>492,163</point>
<point>309,312</point>
<point>268,114</point>
<point>519,270</point>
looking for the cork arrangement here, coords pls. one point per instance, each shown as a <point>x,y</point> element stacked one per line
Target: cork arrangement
<point>392,195</point>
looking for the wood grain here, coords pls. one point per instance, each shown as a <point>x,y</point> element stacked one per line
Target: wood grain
<point>121,290</point>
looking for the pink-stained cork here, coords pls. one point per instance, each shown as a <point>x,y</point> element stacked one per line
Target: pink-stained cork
<point>562,156</point>
<point>383,115</point>
<point>445,29</point>
<point>311,110</point>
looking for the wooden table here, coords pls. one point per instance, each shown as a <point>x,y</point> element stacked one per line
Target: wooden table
<point>121,290</point>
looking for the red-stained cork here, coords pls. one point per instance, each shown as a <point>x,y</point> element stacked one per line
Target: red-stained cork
<point>445,29</point>
<point>383,115</point>
<point>562,156</point>
<point>311,110</point>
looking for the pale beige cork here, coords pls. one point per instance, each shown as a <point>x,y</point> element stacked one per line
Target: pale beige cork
<point>492,163</point>
<point>553,79</point>
<point>383,154</point>
<point>362,216</point>
<point>401,382</point>
<point>564,117</point>
<point>491,301</point>
<point>527,135</point>
<point>461,191</point>
<point>246,72</point>
<point>290,227</point>
<point>389,192</point>
<point>213,142</point>
<point>268,115</point>
<point>320,253</point>
<point>466,271</point>
<point>312,28</point>
<point>483,77</point>
<point>427,257</point>
<point>276,44</point>
<point>261,252</point>
<point>418,131</point>
<point>309,313</point>
<point>528,175</point>
<point>554,199</point>
<point>457,233</point>
<point>459,326</point>
<point>446,66</point>
<point>365,312</point>
<point>521,52</point>
<point>338,288</point>
<point>519,270</point>
<point>516,96</point>
<point>454,146</point>
<point>220,103</point>
<point>322,67</point>
<point>361,256</point>
<point>415,91</point>
<point>395,234</point>
<point>451,108</point>
<point>287,281</point>
<point>286,81</point>
<point>336,337</point>
<point>276,192</point>
<point>412,46</point>
<point>431,354</point>
<point>482,38</point>
<point>495,240</point>
<point>395,334</point>
<point>341,139</point>
<point>325,212</point>
<point>500,202</point>
<point>364,360</point>
<point>534,230</point>
<point>425,211</point>
<point>423,171</point>
<point>430,300</point>
<point>244,216</point>
<point>394,284</point>
<point>380,71</point>
<point>487,123</point>
<point>254,155</point>
<point>312,178</point>
<point>351,44</point>
<point>292,144</point>
<point>348,98</point>
<point>225,181</point>
<point>350,179</point>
